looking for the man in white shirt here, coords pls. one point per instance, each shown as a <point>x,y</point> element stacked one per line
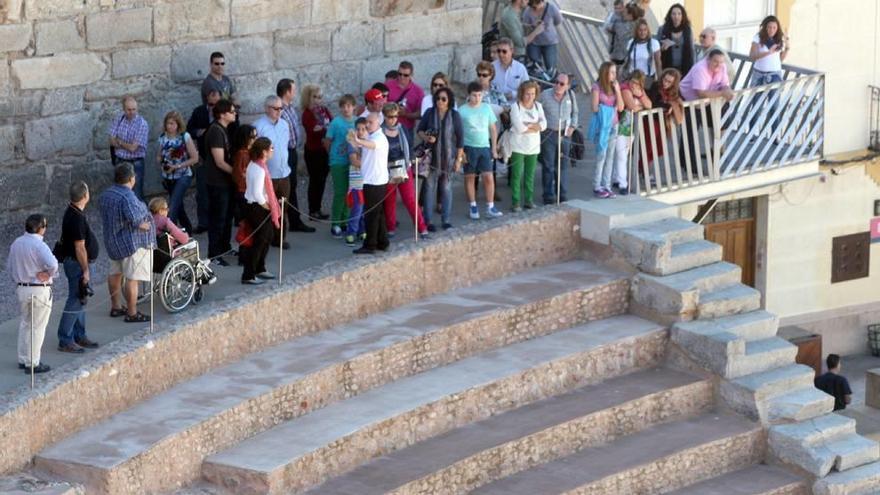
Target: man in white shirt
<point>509,73</point>
<point>32,266</point>
<point>374,169</point>
<point>272,126</point>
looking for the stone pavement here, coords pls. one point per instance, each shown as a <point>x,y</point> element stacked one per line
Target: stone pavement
<point>308,250</point>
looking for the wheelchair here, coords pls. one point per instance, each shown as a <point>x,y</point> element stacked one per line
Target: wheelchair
<point>180,273</point>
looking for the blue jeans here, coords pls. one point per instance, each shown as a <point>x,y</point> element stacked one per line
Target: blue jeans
<point>759,79</point>
<point>548,158</point>
<point>72,326</point>
<point>356,224</point>
<point>138,164</point>
<point>547,55</point>
<point>431,186</point>
<point>605,163</point>
<point>176,189</point>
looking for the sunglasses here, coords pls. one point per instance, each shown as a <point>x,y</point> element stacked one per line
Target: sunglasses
<point>702,36</point>
<point>484,74</point>
<point>438,85</point>
<point>560,83</point>
<point>503,51</point>
<point>391,116</point>
<point>404,74</point>
<point>277,109</point>
<point>442,99</point>
<point>219,63</point>
<point>318,97</point>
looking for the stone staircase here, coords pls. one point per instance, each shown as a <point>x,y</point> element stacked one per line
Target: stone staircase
<point>717,323</point>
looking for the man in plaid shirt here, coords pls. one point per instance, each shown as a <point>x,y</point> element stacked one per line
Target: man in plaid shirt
<point>128,135</point>
<point>286,90</point>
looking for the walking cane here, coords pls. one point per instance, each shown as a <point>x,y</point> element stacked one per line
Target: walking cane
<point>417,211</point>
<point>281,242</point>
<point>32,342</point>
<point>558,158</point>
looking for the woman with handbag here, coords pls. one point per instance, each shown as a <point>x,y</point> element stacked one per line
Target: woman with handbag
<point>262,212</point>
<point>400,173</point>
<point>176,157</point>
<point>441,128</point>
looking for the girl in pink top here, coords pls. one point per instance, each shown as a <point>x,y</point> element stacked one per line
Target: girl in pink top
<point>159,209</point>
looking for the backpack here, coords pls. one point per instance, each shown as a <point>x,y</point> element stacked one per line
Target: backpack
<point>490,37</point>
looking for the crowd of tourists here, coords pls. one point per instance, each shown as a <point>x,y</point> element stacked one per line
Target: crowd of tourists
<point>396,138</point>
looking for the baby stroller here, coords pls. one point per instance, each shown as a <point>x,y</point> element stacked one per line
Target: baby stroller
<point>181,273</point>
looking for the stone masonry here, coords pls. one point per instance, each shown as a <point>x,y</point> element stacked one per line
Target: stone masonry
<point>64,65</point>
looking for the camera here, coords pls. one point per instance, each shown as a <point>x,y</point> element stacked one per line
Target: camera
<point>85,292</point>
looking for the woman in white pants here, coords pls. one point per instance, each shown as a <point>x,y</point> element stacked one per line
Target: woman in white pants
<point>635,98</point>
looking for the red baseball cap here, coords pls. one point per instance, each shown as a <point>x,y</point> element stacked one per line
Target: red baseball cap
<point>373,95</point>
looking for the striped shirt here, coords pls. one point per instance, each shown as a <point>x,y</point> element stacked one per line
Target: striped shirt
<point>288,113</point>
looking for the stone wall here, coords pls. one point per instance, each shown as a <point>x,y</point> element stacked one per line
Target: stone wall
<point>64,64</point>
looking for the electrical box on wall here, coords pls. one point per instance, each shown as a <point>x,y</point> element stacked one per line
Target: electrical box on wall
<point>850,257</point>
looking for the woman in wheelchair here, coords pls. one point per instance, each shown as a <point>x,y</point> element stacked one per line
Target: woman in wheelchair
<point>173,242</point>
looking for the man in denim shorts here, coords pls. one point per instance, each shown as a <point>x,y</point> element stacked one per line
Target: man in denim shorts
<point>480,148</point>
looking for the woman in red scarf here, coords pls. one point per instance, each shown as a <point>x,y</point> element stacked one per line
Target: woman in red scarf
<point>261,210</point>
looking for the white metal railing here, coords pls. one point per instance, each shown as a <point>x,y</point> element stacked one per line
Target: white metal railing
<point>760,129</point>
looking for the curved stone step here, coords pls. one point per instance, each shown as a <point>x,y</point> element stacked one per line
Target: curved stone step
<point>473,455</point>
<point>160,443</point>
<point>656,460</point>
<point>753,480</point>
<point>750,394</point>
<point>863,480</point>
<point>724,301</point>
<point>302,452</point>
<point>678,295</point>
<point>822,444</point>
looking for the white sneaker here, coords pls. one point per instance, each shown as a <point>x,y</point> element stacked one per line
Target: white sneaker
<point>493,212</point>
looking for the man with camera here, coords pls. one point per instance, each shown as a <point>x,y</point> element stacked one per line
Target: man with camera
<point>77,251</point>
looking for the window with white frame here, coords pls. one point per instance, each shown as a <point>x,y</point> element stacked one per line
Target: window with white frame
<point>736,21</point>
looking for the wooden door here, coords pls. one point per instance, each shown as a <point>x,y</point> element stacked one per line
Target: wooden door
<point>737,237</point>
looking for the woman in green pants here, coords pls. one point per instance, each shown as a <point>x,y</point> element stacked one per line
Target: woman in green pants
<point>527,121</point>
<point>337,148</point>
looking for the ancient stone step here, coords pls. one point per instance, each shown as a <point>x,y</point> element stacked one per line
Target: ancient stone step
<point>310,449</point>
<point>724,301</point>
<point>27,484</point>
<point>712,340</point>
<point>476,454</point>
<point>678,295</point>
<point>665,247</point>
<point>863,480</point>
<point>750,394</point>
<point>753,480</point>
<point>799,405</point>
<point>660,459</point>
<point>821,444</point>
<point>160,443</point>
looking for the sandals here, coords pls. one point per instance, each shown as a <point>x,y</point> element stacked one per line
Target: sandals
<point>137,318</point>
<point>116,312</point>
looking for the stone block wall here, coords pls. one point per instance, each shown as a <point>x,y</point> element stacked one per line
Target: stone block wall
<point>64,64</point>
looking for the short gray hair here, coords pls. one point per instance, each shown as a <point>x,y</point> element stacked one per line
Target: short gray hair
<point>78,191</point>
<point>271,100</point>
<point>123,173</point>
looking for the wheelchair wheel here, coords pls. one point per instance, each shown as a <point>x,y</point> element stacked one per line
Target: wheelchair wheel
<point>177,286</point>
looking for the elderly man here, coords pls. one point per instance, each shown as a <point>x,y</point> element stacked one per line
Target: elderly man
<point>707,44</point>
<point>409,95</point>
<point>32,267</point>
<point>129,236</point>
<point>374,169</point>
<point>509,73</point>
<point>272,126</point>
<point>561,111</point>
<point>286,90</point>
<point>79,250</point>
<point>128,139</point>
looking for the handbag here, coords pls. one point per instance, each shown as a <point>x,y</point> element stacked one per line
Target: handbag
<point>243,234</point>
<point>425,155</point>
<point>113,159</point>
<point>397,172</point>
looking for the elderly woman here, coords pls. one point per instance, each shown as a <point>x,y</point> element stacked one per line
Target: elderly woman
<point>262,212</point>
<point>527,121</point>
<point>442,129</point>
<point>315,120</point>
<point>399,163</point>
<point>176,157</point>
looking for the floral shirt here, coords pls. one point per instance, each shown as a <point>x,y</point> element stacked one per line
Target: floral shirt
<point>174,152</point>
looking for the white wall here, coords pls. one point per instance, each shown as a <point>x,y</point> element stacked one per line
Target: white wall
<point>840,38</point>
